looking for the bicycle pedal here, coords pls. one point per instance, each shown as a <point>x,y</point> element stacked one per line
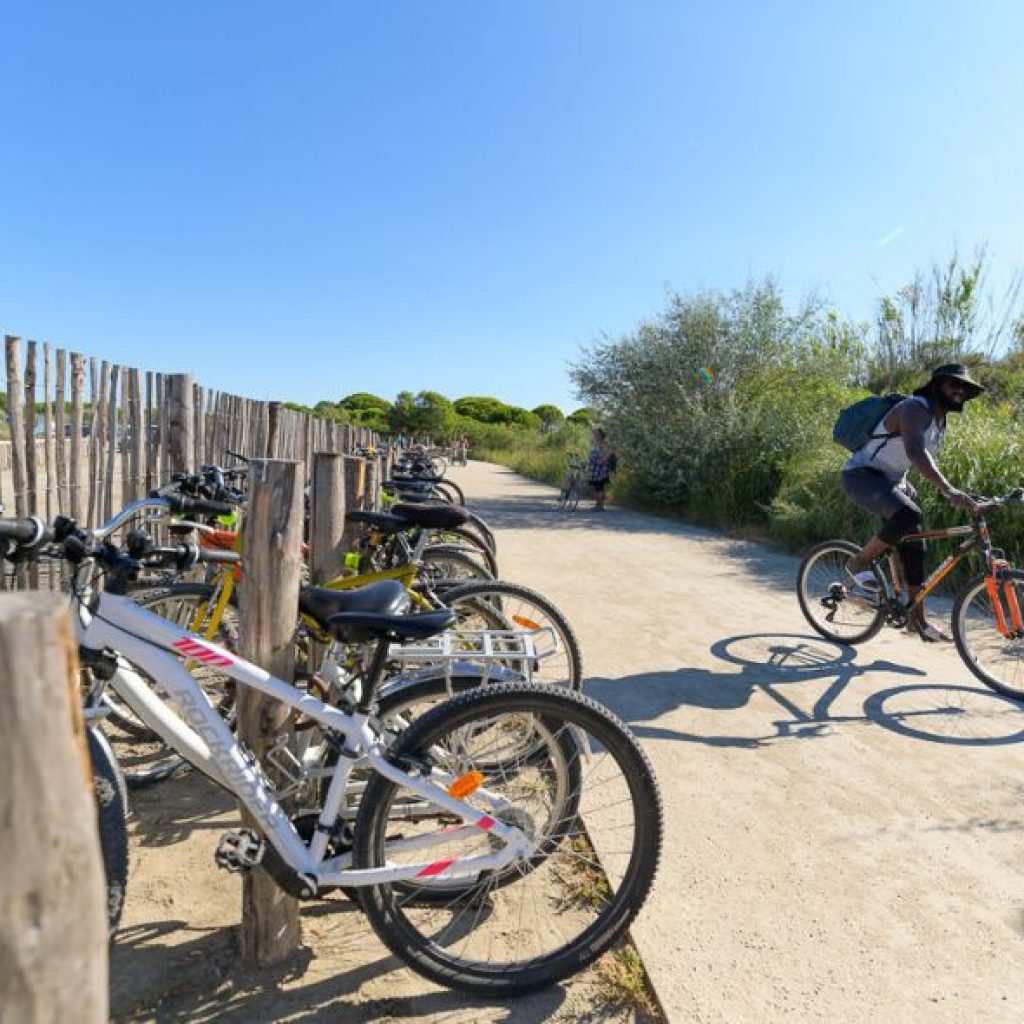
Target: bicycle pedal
<point>240,849</point>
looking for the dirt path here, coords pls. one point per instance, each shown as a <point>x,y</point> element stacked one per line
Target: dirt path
<point>843,830</point>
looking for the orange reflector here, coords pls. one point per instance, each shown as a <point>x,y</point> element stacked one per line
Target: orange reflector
<point>466,784</point>
<point>521,620</point>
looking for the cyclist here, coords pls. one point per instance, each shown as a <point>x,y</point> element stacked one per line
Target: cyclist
<point>875,477</point>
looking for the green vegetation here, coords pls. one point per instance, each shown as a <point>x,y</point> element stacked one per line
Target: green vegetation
<point>722,407</point>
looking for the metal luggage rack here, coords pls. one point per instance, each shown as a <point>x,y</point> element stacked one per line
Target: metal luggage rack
<point>524,647</point>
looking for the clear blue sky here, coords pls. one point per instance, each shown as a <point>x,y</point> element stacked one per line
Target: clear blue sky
<point>300,200</point>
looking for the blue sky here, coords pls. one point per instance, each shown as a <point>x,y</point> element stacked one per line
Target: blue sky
<point>303,200</point>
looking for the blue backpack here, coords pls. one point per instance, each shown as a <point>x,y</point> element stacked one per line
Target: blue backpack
<point>856,423</point>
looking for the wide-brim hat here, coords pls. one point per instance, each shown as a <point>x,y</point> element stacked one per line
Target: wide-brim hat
<point>955,371</point>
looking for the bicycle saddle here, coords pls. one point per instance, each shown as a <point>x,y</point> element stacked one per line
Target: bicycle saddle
<point>433,515</point>
<point>361,627</point>
<point>388,597</point>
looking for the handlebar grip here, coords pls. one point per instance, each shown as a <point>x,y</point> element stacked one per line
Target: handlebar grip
<point>19,530</point>
<point>215,556</point>
<point>30,532</point>
<point>200,506</point>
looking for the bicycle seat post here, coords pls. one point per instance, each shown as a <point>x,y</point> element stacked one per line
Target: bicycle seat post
<point>373,675</point>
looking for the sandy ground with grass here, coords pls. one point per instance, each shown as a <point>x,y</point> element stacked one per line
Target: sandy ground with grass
<point>843,828</point>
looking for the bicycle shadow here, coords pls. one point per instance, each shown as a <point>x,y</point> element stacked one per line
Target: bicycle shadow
<point>770,664</point>
<point>345,973</point>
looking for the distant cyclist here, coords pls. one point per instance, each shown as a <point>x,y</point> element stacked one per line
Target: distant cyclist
<point>875,477</point>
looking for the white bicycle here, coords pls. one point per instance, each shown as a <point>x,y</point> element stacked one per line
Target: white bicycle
<point>500,842</point>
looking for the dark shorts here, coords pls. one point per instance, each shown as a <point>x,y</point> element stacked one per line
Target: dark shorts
<point>600,485</point>
<point>875,492</point>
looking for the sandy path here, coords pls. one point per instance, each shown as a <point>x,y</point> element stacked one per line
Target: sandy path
<point>843,829</point>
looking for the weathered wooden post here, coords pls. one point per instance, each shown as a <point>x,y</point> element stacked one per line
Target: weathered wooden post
<point>76,469</point>
<point>371,489</point>
<point>268,607</point>
<point>327,525</point>
<point>355,480</point>
<point>53,915</point>
<point>180,424</point>
<point>273,428</point>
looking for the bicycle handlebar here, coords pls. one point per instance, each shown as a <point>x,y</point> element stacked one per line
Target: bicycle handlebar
<point>26,533</point>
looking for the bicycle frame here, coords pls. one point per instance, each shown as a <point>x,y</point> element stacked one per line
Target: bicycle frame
<point>202,737</point>
<point>1009,621</point>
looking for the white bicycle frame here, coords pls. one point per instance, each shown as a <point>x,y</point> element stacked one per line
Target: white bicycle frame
<point>201,736</point>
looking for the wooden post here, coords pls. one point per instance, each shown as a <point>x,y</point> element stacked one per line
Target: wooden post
<point>150,420</point>
<point>371,491</point>
<point>327,512</point>
<point>53,919</point>
<point>113,443</point>
<point>76,470</point>
<point>355,469</point>
<point>98,400</point>
<point>273,428</point>
<point>268,609</point>
<point>124,441</point>
<point>31,476</point>
<point>12,349</point>
<point>180,424</point>
<point>60,427</point>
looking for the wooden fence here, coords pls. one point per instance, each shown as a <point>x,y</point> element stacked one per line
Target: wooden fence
<point>88,436</point>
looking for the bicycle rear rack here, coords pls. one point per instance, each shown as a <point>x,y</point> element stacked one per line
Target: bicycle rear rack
<point>523,648</point>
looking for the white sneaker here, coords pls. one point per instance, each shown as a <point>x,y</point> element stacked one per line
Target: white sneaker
<point>863,584</point>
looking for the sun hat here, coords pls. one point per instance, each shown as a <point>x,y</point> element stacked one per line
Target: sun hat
<point>955,371</point>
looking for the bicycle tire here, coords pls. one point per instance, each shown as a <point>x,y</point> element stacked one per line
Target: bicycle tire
<point>601,922</point>
<point>111,796</point>
<point>974,643</point>
<point>449,491</point>
<point>478,524</point>
<point>512,606</point>
<point>822,569</point>
<point>467,540</point>
<point>441,561</point>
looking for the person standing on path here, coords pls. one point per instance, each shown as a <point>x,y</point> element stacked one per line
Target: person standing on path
<point>601,463</point>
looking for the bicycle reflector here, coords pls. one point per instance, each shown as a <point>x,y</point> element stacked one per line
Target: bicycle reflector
<point>466,784</point>
<point>522,620</point>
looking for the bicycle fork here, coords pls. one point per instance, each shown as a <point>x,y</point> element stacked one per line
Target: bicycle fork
<point>1009,621</point>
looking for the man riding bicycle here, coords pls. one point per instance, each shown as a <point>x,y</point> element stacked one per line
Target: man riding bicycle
<point>875,477</point>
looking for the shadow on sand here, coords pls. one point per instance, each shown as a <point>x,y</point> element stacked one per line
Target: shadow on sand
<point>780,666</point>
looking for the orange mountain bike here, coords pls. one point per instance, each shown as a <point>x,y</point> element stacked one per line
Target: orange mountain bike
<point>987,620</point>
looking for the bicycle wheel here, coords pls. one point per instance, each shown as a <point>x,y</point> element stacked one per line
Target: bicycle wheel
<point>510,606</point>
<point>476,523</point>
<point>997,660</point>
<point>111,814</point>
<point>546,775</point>
<point>443,562</point>
<point>575,494</point>
<point>579,888</point>
<point>466,540</point>
<point>827,604</point>
<point>449,491</point>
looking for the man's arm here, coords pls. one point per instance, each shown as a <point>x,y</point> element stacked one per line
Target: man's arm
<point>913,420</point>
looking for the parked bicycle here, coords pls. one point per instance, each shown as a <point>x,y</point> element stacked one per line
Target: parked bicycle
<point>501,842</point>
<point>574,485</point>
<point>987,621</point>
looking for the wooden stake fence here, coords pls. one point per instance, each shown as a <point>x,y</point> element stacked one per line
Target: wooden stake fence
<point>105,434</point>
